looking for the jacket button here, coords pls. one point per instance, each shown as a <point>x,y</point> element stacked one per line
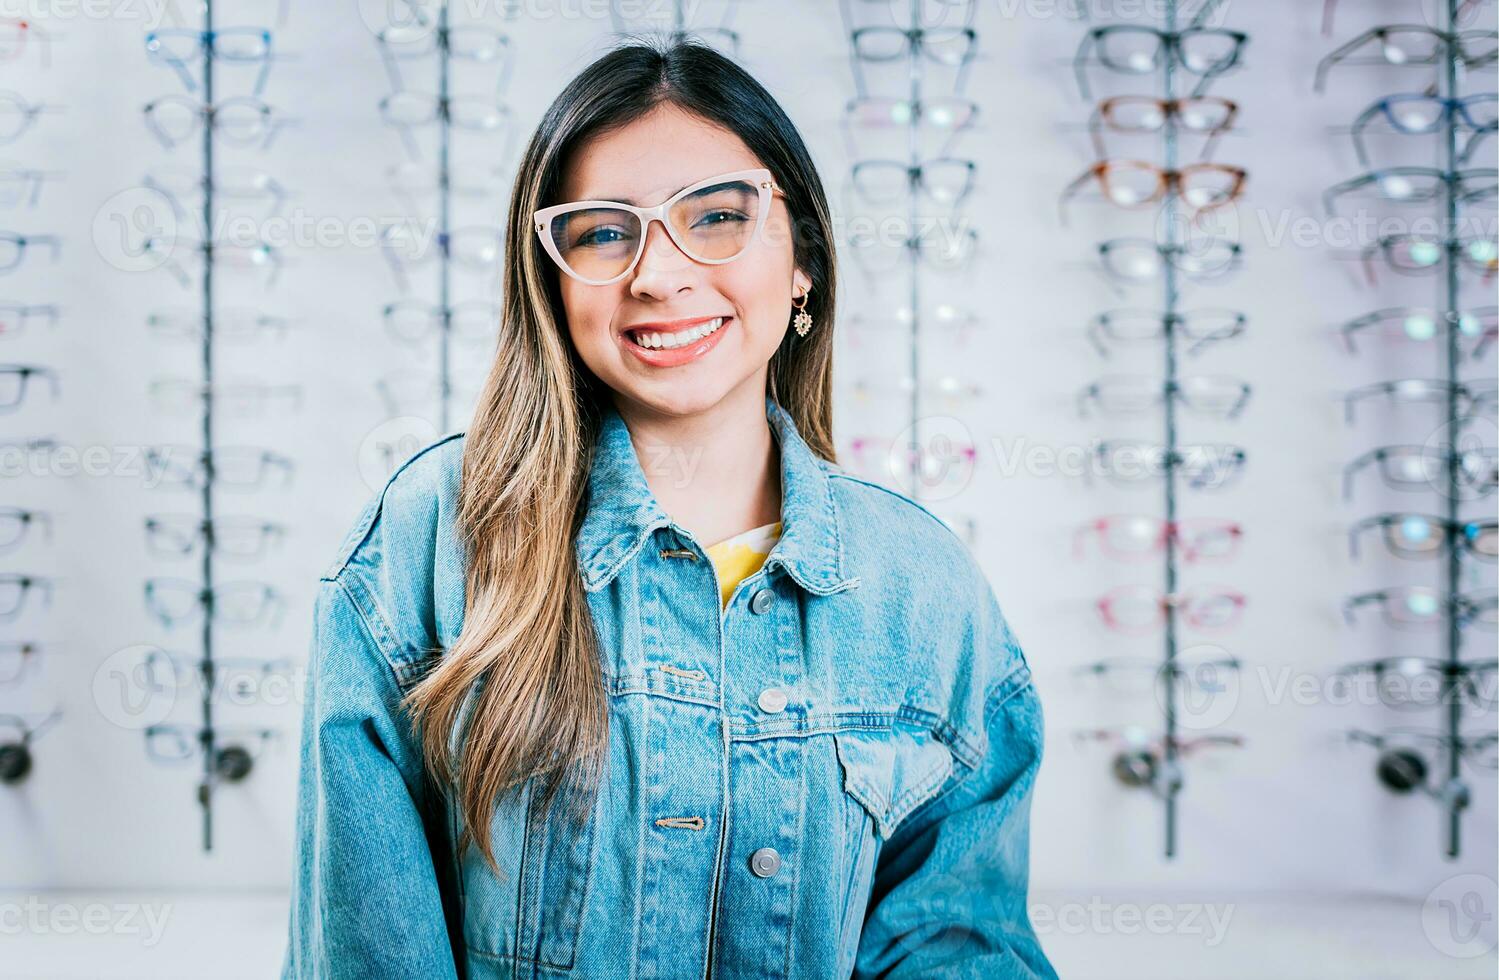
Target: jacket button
<point>765,862</point>
<point>772,699</point>
<point>762,601</point>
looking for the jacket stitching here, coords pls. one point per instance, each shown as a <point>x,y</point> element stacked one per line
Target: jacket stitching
<point>358,537</point>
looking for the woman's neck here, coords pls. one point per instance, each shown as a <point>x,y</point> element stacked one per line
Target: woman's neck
<point>716,473</point>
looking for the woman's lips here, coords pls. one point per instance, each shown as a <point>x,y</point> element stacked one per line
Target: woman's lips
<point>675,356</point>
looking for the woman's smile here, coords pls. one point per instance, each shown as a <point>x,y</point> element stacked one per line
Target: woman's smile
<point>671,348</point>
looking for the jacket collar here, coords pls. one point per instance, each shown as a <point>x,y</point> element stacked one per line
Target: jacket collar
<point>622,512</point>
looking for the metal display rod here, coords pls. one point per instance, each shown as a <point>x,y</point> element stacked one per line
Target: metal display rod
<point>1456,801</point>
<point>1403,770</point>
<point>1162,770</point>
<point>1169,304</point>
<point>913,144</point>
<point>444,230</point>
<point>206,667</point>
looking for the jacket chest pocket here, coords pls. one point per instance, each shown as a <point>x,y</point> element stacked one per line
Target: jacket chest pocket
<point>891,772</point>
<point>886,775</point>
<point>532,911</point>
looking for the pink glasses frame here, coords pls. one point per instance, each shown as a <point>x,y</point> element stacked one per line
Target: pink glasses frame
<point>760,175</point>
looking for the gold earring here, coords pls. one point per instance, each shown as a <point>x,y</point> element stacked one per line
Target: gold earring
<point>803,321</point>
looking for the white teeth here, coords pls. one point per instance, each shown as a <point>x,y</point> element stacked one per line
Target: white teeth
<point>666,341</point>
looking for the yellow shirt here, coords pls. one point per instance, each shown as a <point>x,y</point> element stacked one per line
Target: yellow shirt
<point>739,557</point>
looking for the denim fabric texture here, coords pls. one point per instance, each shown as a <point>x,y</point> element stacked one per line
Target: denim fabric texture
<point>829,778</point>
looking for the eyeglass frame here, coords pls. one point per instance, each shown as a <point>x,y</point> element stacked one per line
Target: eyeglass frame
<point>1100,120</point>
<point>543,217</point>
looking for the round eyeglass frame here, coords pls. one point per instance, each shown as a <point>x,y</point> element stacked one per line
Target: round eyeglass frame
<point>764,182</point>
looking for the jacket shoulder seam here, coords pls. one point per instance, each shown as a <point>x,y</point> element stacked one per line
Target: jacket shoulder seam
<point>841,474</point>
<point>340,583</point>
<point>357,537</point>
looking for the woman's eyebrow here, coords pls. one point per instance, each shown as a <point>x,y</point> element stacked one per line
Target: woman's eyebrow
<point>626,200</point>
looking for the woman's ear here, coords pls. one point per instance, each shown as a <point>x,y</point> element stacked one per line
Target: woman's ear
<point>801,284</point>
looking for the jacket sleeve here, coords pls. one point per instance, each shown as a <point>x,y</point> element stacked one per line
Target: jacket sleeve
<point>950,887</point>
<point>365,896</point>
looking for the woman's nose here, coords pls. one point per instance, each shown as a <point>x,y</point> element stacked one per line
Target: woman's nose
<point>663,267</point>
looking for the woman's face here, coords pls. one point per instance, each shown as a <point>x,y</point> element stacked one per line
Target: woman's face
<point>645,163</point>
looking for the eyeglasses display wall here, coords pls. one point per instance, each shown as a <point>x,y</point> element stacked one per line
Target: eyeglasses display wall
<point>448,81</point>
<point>1154,142</point>
<point>29,384</point>
<point>905,198</point>
<point>207,588</point>
<point>1422,145</point>
<point>1042,335</point>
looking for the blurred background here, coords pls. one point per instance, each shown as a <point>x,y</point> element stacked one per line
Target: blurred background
<point>1180,312</point>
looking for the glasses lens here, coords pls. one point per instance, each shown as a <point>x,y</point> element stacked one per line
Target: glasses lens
<point>1211,394</point>
<point>717,222</point>
<point>1132,537</point>
<point>880,43</point>
<point>1208,186</point>
<point>1131,326</point>
<point>1212,611</point>
<point>1480,110</point>
<point>1408,682</point>
<point>476,43</point>
<point>1131,184</point>
<point>412,322</point>
<point>408,109</point>
<point>1208,540</point>
<point>476,113</point>
<point>947,46</point>
<point>595,243</point>
<point>1134,114</point>
<point>1211,324</point>
<point>946,180</point>
<point>1133,608</point>
<point>1413,536</point>
<point>475,320</point>
<point>1207,51</point>
<point>1125,676</point>
<point>168,743</point>
<point>1205,258</point>
<point>1483,538</point>
<point>240,121</point>
<point>1412,114</point>
<point>1126,394</point>
<point>1413,606</point>
<point>1135,261</point>
<point>1412,468</point>
<point>882,181</point>
<point>880,112</point>
<point>241,45</point>
<point>1135,51</point>
<point>1403,46</point>
<point>1203,115</point>
<point>241,603</point>
<point>1409,253</point>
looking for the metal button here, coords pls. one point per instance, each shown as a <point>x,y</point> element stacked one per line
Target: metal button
<point>761,601</point>
<point>765,862</point>
<point>772,699</point>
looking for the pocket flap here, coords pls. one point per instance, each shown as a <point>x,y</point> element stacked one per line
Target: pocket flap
<point>892,772</point>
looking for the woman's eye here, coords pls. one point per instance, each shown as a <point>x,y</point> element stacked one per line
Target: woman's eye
<point>727,214</point>
<point>600,236</point>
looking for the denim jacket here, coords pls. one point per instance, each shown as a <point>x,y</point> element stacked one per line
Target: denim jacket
<point>829,778</point>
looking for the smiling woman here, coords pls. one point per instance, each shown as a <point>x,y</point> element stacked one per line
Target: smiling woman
<point>551,726</point>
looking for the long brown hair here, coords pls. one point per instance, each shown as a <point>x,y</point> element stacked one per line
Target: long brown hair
<point>527,640</point>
